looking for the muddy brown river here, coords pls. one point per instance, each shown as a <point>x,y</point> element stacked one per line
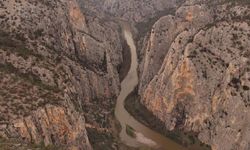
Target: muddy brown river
<point>145,137</point>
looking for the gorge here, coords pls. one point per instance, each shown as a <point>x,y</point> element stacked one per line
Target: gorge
<point>148,137</point>
<point>68,67</point>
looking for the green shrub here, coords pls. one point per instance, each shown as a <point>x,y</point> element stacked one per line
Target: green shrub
<point>130,131</point>
<point>38,33</point>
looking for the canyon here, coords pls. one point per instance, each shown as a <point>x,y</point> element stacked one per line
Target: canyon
<point>64,64</point>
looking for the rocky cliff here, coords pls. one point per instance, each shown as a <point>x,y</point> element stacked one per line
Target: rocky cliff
<point>58,66</point>
<point>195,71</point>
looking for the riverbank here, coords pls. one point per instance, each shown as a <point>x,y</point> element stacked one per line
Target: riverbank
<point>107,138</point>
<point>126,56</point>
<point>140,112</point>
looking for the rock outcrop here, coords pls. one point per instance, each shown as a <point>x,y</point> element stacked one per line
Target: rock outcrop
<point>133,11</point>
<point>138,11</point>
<point>195,72</point>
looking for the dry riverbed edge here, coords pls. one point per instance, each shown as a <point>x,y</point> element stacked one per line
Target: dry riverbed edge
<point>143,115</point>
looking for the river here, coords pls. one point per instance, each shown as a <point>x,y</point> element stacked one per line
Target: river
<point>145,137</point>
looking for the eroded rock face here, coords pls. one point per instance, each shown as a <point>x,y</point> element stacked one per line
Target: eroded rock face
<point>133,11</point>
<point>195,72</point>
<point>51,125</point>
<point>58,65</point>
<point>138,11</point>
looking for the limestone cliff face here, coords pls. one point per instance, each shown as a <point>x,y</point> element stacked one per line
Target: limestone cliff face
<point>52,125</point>
<point>195,72</point>
<point>137,11</point>
<point>58,65</point>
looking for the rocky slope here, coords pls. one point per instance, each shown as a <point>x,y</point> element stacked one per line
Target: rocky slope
<point>138,11</point>
<point>133,11</point>
<point>59,73</point>
<point>195,71</point>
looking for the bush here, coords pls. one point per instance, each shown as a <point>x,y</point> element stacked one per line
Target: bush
<point>38,33</point>
<point>130,131</point>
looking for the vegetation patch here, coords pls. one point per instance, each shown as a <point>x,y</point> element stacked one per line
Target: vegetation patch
<point>100,140</point>
<point>29,77</point>
<point>239,1</point>
<point>16,46</point>
<point>38,33</point>
<point>14,144</point>
<point>130,131</point>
